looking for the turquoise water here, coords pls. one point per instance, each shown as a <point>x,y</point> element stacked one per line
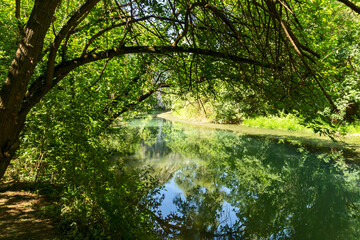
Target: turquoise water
<point>222,185</point>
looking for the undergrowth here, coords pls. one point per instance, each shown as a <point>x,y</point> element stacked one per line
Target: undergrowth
<point>281,121</point>
<point>293,123</point>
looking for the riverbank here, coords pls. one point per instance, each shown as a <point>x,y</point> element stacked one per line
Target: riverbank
<point>22,204</point>
<point>349,144</point>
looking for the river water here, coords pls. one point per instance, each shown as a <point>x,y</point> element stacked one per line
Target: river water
<point>216,184</point>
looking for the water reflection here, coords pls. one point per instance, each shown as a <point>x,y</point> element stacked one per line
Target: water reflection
<point>222,185</point>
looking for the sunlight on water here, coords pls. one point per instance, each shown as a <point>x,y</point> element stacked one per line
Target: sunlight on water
<point>223,185</point>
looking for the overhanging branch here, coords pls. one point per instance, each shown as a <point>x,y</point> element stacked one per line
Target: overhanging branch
<point>37,90</point>
<point>66,67</point>
<point>351,5</point>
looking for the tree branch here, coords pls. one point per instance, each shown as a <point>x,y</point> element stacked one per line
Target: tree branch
<point>37,90</point>
<point>351,5</point>
<point>75,19</point>
<point>102,32</point>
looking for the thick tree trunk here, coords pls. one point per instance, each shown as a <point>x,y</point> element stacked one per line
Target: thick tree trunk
<point>13,91</point>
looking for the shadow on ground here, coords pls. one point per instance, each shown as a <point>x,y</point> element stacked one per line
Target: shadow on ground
<point>20,216</point>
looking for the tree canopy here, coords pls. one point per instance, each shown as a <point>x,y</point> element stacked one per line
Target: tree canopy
<point>69,69</point>
<point>291,54</point>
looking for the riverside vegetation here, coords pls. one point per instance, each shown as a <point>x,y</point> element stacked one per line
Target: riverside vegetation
<point>74,72</point>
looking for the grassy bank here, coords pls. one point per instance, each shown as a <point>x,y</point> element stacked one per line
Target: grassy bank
<point>282,121</point>
<point>349,144</point>
<point>292,123</point>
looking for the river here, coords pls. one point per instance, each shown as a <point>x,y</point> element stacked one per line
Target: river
<point>215,184</point>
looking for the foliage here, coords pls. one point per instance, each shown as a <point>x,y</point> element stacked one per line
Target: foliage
<point>221,60</point>
<point>281,121</point>
<point>230,99</point>
<point>8,37</point>
<point>218,102</point>
<point>64,143</point>
<point>98,200</point>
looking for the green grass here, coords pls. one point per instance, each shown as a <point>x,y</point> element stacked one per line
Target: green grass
<point>287,122</point>
<point>351,128</point>
<point>291,122</point>
<point>281,120</point>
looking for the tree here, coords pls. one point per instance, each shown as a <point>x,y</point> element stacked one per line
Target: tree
<point>252,38</point>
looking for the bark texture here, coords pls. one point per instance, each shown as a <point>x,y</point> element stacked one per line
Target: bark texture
<point>15,86</point>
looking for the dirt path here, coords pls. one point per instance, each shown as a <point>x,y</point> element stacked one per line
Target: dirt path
<point>19,214</point>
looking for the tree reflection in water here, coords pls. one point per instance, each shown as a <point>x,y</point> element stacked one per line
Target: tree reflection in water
<point>224,185</point>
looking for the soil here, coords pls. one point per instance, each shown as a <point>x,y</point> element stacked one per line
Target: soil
<point>20,213</point>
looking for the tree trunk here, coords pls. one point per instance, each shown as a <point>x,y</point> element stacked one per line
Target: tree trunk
<point>13,91</point>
